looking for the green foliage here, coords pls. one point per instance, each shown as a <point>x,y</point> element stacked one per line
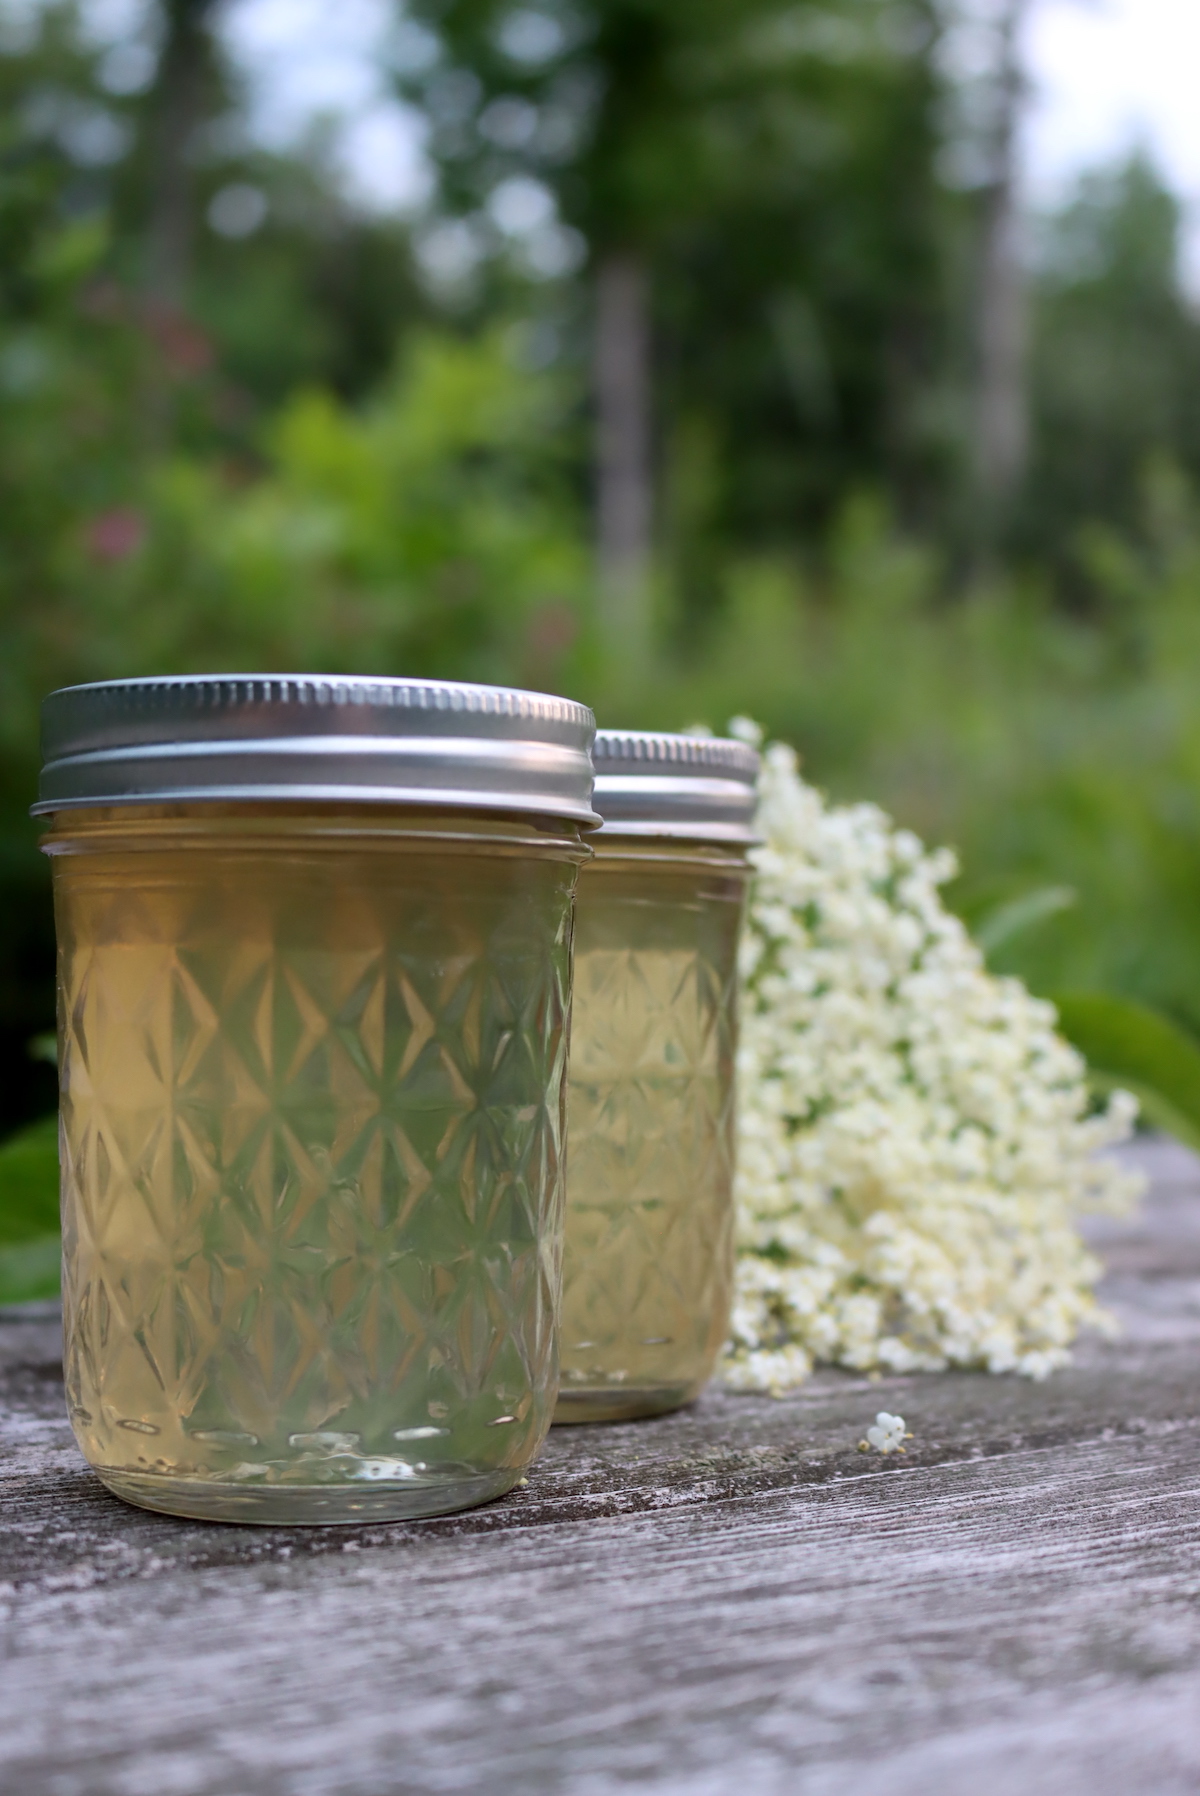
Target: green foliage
<point>1031,740</point>
<point>429,532</point>
<point>1128,1045</point>
<point>1005,922</point>
<point>317,291</point>
<point>29,1183</point>
<point>29,1245</point>
<point>1116,365</point>
<point>772,165</point>
<point>30,1270</point>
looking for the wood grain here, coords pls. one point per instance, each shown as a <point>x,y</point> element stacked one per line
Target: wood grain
<point>730,1600</point>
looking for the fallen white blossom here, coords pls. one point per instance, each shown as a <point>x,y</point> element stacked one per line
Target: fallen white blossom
<point>914,1139</point>
<point>888,1434</point>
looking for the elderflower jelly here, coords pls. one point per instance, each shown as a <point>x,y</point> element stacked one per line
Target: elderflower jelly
<point>314,987</point>
<point>648,1260</point>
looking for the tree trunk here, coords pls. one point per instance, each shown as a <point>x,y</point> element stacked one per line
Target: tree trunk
<point>179,110</point>
<point>1001,423</point>
<point>624,487</point>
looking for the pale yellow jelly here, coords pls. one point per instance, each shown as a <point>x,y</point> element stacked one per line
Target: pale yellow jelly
<point>648,1266</point>
<point>312,1099</point>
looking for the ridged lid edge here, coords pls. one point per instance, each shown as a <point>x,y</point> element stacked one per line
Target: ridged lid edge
<point>187,694</point>
<point>634,750</point>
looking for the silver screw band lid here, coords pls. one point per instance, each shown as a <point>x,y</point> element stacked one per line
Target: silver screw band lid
<point>310,738</point>
<point>698,787</point>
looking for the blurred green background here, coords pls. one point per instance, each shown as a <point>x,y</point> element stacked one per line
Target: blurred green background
<point>716,372</point>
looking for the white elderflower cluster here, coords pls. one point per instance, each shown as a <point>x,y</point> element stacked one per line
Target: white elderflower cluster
<point>914,1139</point>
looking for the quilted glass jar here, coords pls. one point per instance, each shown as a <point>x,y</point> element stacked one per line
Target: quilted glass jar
<point>648,1259</point>
<point>314,990</point>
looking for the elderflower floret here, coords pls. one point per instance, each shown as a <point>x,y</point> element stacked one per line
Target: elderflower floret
<point>915,1139</point>
<point>888,1434</point>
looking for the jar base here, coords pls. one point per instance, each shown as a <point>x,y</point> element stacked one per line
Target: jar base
<point>306,1505</point>
<point>621,1403</point>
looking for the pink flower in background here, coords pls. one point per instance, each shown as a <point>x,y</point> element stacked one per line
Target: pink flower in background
<point>115,535</point>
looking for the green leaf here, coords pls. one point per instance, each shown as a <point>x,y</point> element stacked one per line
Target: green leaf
<point>31,1270</point>
<point>29,1241</point>
<point>1019,914</point>
<point>1130,1046</point>
<point>29,1184</point>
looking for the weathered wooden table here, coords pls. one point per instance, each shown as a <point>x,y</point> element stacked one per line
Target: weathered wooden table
<point>732,1600</point>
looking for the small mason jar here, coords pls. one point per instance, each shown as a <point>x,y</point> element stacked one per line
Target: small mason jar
<point>314,992</point>
<point>648,1261</point>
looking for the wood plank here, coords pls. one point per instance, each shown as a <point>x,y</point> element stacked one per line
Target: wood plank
<point>733,1598</point>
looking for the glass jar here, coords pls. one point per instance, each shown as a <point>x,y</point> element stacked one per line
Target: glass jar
<point>314,989</point>
<point>648,1262</point>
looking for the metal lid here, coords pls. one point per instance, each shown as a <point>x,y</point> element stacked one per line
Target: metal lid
<point>699,787</point>
<point>314,738</point>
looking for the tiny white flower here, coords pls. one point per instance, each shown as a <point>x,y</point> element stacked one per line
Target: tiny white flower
<point>888,1433</point>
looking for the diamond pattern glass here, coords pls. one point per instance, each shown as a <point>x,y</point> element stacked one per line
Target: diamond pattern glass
<point>649,1242</point>
<point>312,1084</point>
